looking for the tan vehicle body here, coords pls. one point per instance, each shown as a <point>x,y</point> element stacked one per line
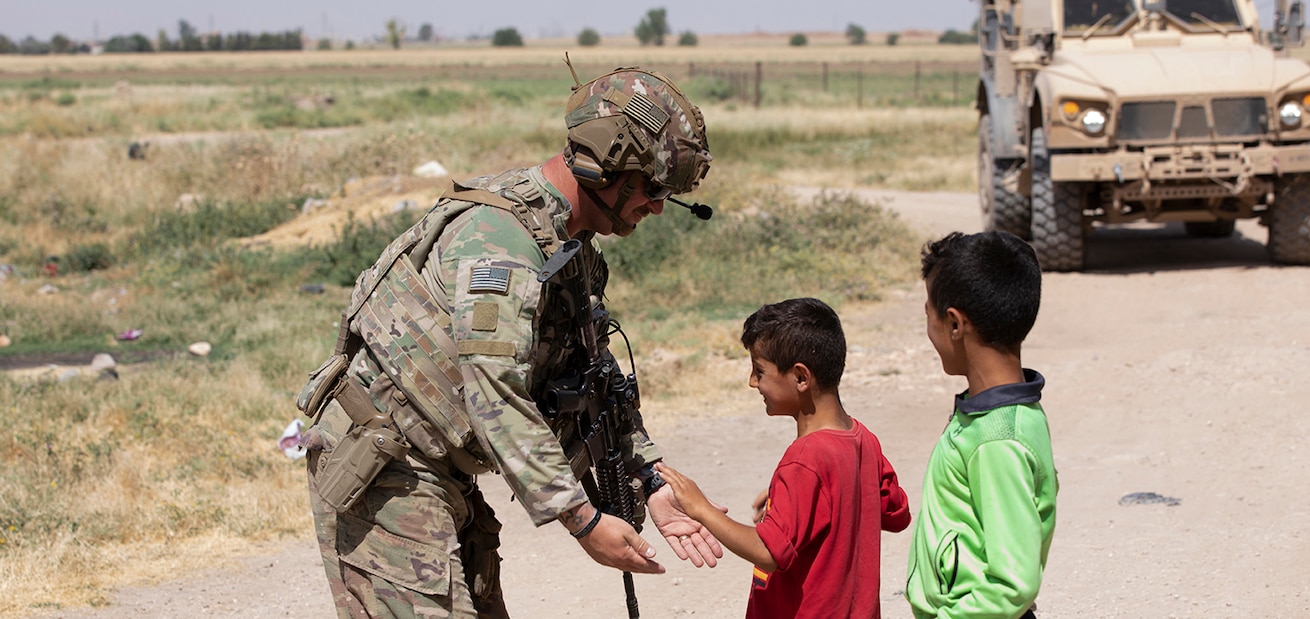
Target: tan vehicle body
<point>1113,111</point>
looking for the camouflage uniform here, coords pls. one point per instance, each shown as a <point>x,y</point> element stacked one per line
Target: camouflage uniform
<point>421,541</point>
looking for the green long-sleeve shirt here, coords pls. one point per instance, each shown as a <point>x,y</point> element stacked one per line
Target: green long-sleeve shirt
<point>988,513</point>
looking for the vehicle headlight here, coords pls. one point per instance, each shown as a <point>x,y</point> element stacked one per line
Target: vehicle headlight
<point>1093,121</point>
<point>1290,114</point>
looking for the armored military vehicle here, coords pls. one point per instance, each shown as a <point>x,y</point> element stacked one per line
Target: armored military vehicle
<point>1115,111</point>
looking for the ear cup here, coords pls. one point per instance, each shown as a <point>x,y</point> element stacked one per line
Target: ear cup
<point>587,171</point>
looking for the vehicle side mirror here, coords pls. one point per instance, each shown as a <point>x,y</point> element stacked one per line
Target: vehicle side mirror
<point>1295,23</point>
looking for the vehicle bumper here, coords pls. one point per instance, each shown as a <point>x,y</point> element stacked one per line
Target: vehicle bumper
<point>1182,163</point>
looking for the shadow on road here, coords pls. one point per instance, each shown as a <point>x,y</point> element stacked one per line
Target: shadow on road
<point>1144,248</point>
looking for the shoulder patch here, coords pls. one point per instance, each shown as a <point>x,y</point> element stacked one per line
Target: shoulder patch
<point>490,348</point>
<point>486,279</point>
<point>486,316</point>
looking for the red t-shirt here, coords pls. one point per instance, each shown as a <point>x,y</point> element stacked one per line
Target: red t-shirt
<point>831,497</point>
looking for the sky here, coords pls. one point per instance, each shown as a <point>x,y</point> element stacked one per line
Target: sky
<point>363,19</point>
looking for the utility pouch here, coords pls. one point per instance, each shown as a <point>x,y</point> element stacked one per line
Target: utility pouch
<point>356,462</point>
<point>322,382</point>
<point>479,552</point>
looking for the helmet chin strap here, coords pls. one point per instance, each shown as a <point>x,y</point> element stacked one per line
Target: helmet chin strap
<point>620,227</point>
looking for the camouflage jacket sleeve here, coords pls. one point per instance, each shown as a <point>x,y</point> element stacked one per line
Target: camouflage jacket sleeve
<point>488,264</point>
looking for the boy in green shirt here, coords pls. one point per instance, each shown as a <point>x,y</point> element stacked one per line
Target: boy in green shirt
<point>988,510</point>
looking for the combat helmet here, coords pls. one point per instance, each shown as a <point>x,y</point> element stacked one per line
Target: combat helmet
<point>632,119</point>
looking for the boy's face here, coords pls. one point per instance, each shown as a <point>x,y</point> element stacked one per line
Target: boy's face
<point>779,388</point>
<point>940,331</point>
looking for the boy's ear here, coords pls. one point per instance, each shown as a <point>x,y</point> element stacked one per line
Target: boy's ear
<point>957,322</point>
<point>803,376</point>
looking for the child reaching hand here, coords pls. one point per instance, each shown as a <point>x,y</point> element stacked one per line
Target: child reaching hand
<point>816,549</point>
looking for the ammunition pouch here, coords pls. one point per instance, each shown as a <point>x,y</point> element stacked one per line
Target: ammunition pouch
<point>322,382</point>
<point>478,552</point>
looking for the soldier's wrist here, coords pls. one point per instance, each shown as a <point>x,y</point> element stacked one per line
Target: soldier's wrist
<point>651,481</point>
<point>581,533</point>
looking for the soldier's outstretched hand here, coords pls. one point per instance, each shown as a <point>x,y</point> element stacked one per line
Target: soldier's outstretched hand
<point>614,543</point>
<point>689,538</point>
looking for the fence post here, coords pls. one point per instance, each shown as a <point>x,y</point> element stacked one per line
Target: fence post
<point>691,69</point>
<point>955,86</point>
<point>825,76</point>
<point>859,87</point>
<point>759,75</point>
<point>916,80</point>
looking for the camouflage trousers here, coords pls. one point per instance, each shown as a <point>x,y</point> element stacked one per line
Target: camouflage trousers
<point>420,543</point>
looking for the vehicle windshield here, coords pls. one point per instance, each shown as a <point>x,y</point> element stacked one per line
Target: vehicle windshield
<point>1107,16</point>
<point>1204,12</point>
<point>1102,15</point>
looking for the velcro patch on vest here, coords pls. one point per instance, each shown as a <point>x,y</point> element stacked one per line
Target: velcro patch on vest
<point>490,348</point>
<point>486,316</point>
<point>484,280</point>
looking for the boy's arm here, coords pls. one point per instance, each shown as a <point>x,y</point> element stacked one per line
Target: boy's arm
<point>741,539</point>
<point>895,505</point>
<point>1001,479</point>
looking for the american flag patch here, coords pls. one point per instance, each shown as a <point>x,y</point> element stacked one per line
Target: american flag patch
<point>489,279</point>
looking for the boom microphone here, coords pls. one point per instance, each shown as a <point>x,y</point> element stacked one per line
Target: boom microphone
<point>702,211</point>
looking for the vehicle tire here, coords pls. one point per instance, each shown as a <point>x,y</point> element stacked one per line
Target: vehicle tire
<point>1289,222</point>
<point>1057,208</point>
<point>1218,229</point>
<point>1002,209</point>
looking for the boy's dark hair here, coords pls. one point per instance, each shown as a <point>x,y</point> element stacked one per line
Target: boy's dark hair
<point>799,331</point>
<point>991,277</point>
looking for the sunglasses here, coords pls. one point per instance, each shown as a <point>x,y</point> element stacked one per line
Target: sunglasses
<point>656,192</point>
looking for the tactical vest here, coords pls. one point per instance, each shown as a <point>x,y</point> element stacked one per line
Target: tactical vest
<point>405,323</point>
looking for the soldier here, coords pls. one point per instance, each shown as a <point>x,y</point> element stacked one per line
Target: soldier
<point>449,359</point>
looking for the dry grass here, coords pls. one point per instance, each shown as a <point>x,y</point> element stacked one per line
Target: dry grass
<point>611,53</point>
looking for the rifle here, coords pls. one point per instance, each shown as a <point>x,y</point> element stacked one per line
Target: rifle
<point>601,401</point>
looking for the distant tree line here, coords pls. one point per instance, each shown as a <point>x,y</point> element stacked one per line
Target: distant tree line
<point>188,40</point>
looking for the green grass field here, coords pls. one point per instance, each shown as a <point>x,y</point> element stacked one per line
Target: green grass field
<point>108,482</point>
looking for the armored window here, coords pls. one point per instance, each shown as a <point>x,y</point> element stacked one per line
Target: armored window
<point>1196,12</point>
<point>1105,15</point>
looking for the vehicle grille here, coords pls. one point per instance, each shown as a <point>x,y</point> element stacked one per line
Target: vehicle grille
<point>1157,121</point>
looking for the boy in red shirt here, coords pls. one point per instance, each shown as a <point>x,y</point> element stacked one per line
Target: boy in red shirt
<point>816,549</point>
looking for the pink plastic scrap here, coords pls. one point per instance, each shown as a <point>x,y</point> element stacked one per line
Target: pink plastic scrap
<point>129,335</point>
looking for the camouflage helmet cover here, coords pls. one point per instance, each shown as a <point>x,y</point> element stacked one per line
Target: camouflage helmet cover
<point>634,119</point>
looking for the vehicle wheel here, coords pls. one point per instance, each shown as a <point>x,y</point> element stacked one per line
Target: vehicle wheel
<point>1002,209</point>
<point>1217,229</point>
<point>1289,222</point>
<point>1057,228</point>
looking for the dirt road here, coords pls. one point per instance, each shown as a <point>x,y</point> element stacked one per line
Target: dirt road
<point>1174,366</point>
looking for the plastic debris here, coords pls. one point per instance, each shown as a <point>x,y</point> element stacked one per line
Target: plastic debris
<point>289,443</point>
<point>431,169</point>
<point>102,361</point>
<point>130,335</point>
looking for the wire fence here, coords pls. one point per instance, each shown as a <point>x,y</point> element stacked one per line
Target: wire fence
<point>900,84</point>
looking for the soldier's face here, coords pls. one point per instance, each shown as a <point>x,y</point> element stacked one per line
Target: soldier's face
<point>640,205</point>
